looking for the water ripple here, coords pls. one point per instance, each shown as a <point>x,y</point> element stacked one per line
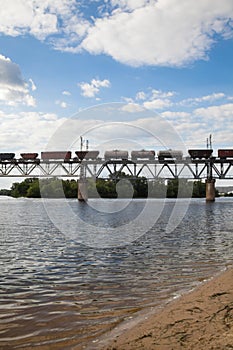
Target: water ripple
<point>59,294</point>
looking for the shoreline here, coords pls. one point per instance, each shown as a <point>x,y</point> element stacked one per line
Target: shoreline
<point>199,319</point>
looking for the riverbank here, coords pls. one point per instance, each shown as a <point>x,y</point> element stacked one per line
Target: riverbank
<point>201,319</point>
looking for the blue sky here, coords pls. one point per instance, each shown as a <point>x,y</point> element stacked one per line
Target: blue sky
<point>172,57</point>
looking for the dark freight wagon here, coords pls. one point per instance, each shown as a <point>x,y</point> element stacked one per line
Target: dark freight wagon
<point>7,156</point>
<point>87,154</point>
<point>200,153</point>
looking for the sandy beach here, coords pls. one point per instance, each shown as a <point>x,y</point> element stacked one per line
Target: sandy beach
<point>201,319</point>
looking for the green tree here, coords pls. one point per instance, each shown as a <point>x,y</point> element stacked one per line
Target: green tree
<point>70,188</point>
<point>140,187</point>
<point>5,192</point>
<point>199,189</point>
<point>181,188</point>
<point>20,189</point>
<point>34,190</point>
<point>157,188</point>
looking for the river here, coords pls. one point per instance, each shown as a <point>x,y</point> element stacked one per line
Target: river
<point>58,293</point>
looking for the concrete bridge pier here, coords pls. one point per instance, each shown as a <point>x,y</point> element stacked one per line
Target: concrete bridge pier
<point>82,190</point>
<point>210,190</point>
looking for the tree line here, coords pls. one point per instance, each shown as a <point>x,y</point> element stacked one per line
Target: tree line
<point>123,187</point>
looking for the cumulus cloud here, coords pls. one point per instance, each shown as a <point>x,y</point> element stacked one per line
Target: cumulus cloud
<point>33,134</point>
<point>154,99</point>
<point>58,20</point>
<point>132,108</point>
<point>93,88</point>
<point>222,113</point>
<point>134,32</point>
<point>13,89</point>
<point>163,32</point>
<point>157,103</point>
<point>196,125</point>
<point>22,16</point>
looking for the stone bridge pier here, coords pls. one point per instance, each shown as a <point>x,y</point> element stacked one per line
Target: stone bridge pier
<point>210,190</point>
<point>82,190</point>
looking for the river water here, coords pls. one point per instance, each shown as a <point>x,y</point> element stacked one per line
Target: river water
<point>57,293</point>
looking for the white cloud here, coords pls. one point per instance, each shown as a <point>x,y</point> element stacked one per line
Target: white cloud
<point>132,108</point>
<point>157,104</point>
<point>130,4</point>
<point>22,16</point>
<point>93,88</point>
<point>33,86</point>
<point>140,95</point>
<point>32,135</point>
<point>155,99</point>
<point>134,32</point>
<point>207,98</point>
<point>222,113</point>
<point>165,32</point>
<point>162,94</point>
<point>44,19</point>
<point>128,99</point>
<point>62,104</point>
<point>195,126</point>
<point>159,99</point>
<point>66,93</point>
<point>13,89</point>
<point>173,115</point>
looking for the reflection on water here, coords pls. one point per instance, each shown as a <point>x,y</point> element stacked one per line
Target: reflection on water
<point>58,294</point>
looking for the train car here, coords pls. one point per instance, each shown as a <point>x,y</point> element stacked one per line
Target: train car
<point>200,153</point>
<point>225,153</point>
<point>58,155</point>
<point>87,155</point>
<point>29,156</point>
<point>116,154</point>
<point>170,154</point>
<point>7,156</point>
<point>143,154</point>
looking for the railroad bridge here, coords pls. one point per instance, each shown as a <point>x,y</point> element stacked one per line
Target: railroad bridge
<point>187,168</point>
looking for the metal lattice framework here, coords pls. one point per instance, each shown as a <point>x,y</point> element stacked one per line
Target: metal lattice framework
<point>152,169</point>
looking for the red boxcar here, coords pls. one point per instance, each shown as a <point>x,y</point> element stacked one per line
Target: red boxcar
<point>61,155</point>
<point>225,153</point>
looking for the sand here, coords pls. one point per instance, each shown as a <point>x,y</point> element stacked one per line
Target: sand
<point>201,319</point>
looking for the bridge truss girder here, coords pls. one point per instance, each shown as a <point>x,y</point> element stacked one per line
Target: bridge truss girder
<point>152,169</point>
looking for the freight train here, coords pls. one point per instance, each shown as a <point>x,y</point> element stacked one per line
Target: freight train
<point>162,155</point>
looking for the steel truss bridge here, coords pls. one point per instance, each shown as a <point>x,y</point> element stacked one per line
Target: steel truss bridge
<point>212,168</point>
